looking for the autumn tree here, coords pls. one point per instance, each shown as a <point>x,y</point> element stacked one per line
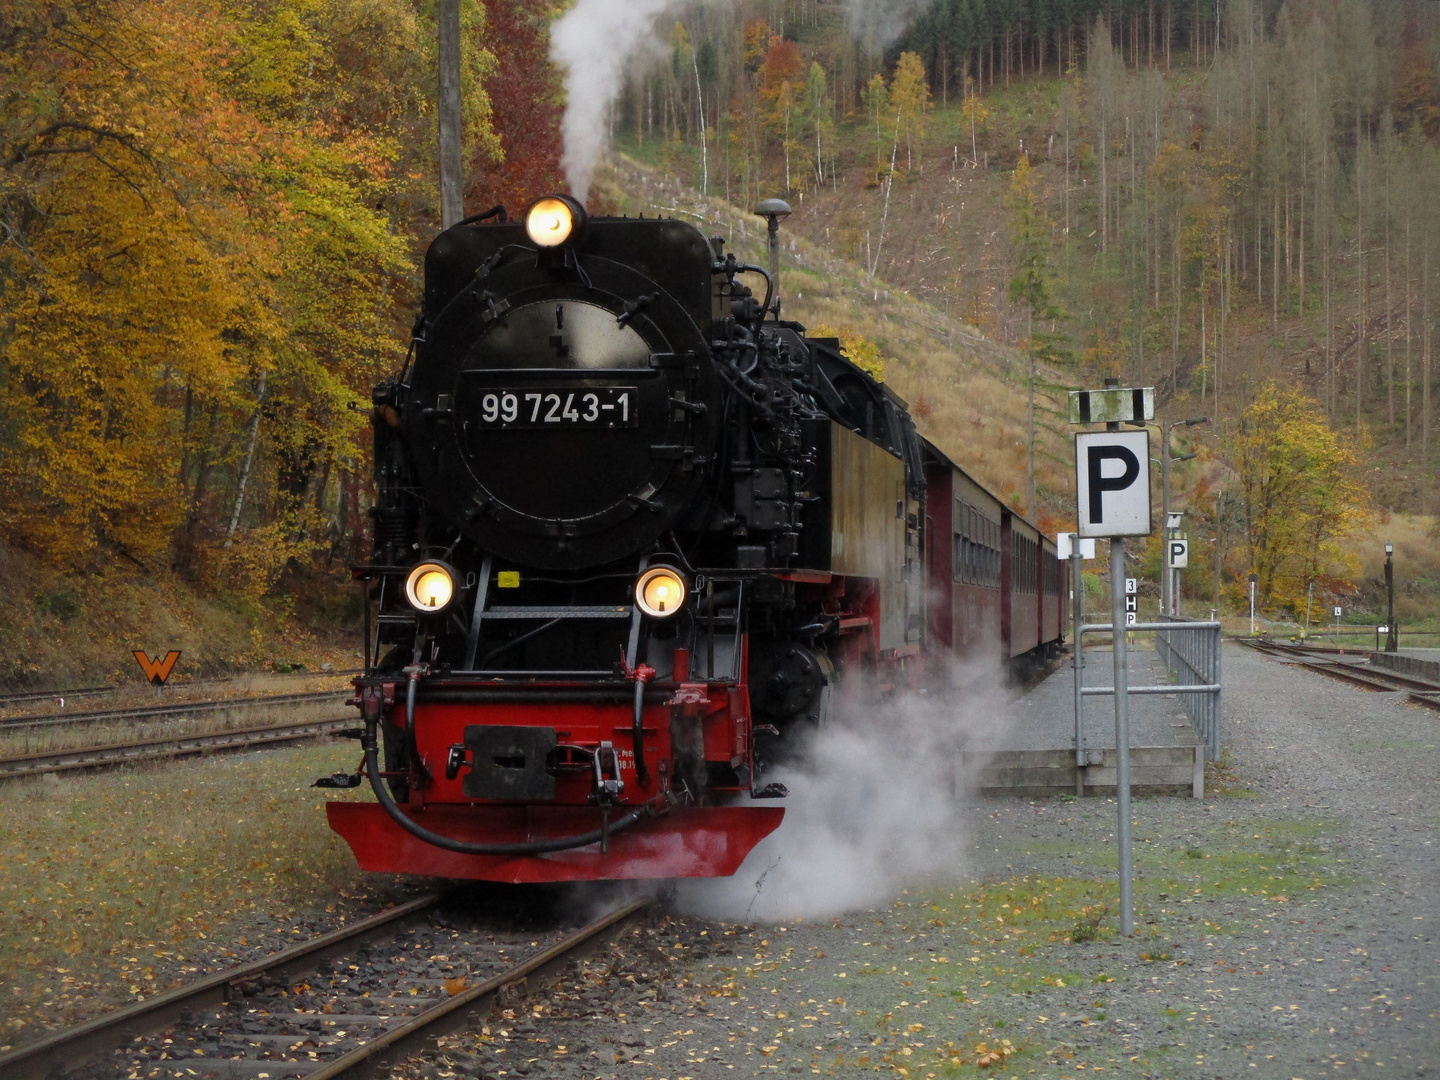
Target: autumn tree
<point>781,90</point>
<point>876,100</point>
<point>909,99</point>
<point>1299,491</point>
<point>206,261</point>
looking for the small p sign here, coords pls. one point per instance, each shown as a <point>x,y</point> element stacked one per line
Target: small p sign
<point>1179,553</point>
<point>157,670</point>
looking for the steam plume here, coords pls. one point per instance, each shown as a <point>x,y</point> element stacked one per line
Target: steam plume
<point>594,42</point>
<point>876,23</point>
<point>869,811</point>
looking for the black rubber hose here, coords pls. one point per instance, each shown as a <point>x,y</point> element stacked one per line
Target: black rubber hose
<point>533,847</point>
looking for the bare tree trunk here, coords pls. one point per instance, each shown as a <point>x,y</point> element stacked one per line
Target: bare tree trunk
<point>704,139</point>
<point>1300,296</point>
<point>1275,262</point>
<point>1030,411</point>
<point>249,460</point>
<point>1362,343</point>
<point>1409,374</point>
<point>1389,334</point>
<point>1425,356</point>
<point>1104,197</point>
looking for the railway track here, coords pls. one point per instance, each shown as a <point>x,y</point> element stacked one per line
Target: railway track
<point>125,753</point>
<point>344,1004</point>
<point>160,712</point>
<point>29,697</point>
<point>26,697</point>
<point>1351,671</point>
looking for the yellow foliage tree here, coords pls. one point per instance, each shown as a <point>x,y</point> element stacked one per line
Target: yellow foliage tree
<point>202,262</point>
<point>909,98</point>
<point>858,349</point>
<point>1299,493</point>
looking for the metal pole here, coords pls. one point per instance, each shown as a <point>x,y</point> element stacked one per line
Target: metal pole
<point>1390,644</point>
<point>1122,729</point>
<point>1309,599</point>
<point>452,201</point>
<point>1078,591</point>
<point>1166,585</point>
<point>1252,605</point>
<point>773,243</point>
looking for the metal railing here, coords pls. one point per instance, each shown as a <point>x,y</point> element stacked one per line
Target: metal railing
<point>1193,656</point>
<point>1190,651</point>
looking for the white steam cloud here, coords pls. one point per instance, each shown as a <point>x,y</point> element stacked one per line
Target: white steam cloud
<point>877,23</point>
<point>595,42</point>
<point>871,810</point>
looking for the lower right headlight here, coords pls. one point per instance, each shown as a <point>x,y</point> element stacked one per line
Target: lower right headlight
<point>660,592</point>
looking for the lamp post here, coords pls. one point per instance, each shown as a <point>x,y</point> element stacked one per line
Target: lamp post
<point>773,210</point>
<point>1390,644</point>
<point>1167,576</point>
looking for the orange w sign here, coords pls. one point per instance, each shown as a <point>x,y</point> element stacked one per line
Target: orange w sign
<point>157,670</point>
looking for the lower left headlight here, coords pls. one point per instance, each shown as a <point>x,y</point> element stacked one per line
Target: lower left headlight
<point>430,587</point>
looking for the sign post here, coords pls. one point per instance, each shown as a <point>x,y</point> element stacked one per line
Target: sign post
<point>1253,578</point>
<point>1070,546</point>
<point>1112,488</point>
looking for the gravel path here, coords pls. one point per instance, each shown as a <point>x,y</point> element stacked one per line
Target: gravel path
<point>1287,929</point>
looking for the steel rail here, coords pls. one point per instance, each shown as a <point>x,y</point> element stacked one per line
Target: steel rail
<point>20,697</point>
<point>24,696</point>
<point>1417,691</point>
<point>65,1047</point>
<point>149,712</point>
<point>98,757</point>
<point>402,1038</point>
<point>38,1059</point>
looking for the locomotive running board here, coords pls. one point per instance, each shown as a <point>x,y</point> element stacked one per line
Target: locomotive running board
<point>706,841</point>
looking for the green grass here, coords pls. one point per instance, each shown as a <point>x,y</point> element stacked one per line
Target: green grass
<point>106,879</point>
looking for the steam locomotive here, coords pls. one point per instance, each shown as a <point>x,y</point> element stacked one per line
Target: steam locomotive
<point>632,534</point>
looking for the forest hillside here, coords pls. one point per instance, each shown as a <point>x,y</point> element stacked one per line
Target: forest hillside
<point>1226,201</point>
<point>212,215</point>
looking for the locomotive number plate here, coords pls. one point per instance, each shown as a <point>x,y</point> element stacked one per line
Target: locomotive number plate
<point>600,406</point>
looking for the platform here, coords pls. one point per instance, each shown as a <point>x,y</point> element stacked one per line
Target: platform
<point>1030,751</point>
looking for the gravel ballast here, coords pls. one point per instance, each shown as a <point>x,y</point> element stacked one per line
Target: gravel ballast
<point>1285,928</point>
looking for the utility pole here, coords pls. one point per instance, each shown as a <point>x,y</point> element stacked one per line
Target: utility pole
<point>452,201</point>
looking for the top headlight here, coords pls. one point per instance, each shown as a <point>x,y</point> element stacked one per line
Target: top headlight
<point>660,592</point>
<point>430,586</point>
<point>554,220</point>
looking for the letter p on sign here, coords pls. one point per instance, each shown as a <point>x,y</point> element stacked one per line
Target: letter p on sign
<point>1112,483</point>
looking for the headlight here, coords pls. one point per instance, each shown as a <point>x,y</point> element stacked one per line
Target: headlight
<point>553,220</point>
<point>430,587</point>
<point>660,592</point>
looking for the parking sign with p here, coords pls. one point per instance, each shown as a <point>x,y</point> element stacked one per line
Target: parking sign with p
<point>1112,481</point>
